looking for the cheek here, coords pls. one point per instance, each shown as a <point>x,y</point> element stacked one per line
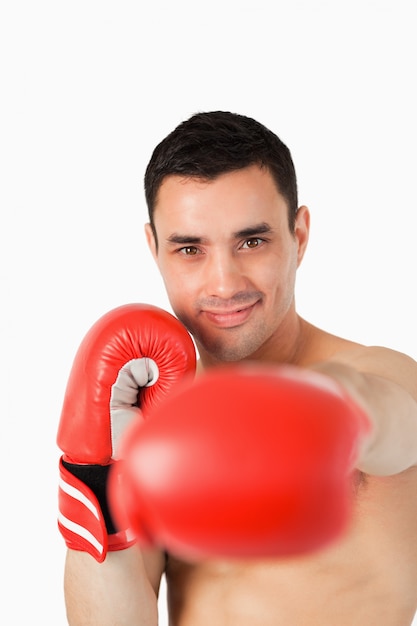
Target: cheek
<point>272,274</point>
<point>279,276</point>
<point>179,287</point>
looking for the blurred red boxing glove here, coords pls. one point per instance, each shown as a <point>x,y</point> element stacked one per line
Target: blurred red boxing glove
<point>245,462</point>
<point>130,359</point>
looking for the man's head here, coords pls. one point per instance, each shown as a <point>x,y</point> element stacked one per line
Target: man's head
<point>214,143</point>
<point>227,235</point>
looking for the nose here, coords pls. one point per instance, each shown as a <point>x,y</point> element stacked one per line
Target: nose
<point>224,275</point>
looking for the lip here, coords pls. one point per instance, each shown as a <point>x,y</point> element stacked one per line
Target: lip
<point>230,319</point>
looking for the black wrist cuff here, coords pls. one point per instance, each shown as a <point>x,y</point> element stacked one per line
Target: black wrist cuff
<point>95,478</point>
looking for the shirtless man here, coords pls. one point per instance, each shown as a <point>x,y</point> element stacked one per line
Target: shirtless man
<point>228,236</point>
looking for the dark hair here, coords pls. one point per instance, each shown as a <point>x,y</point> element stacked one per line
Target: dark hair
<point>213,143</point>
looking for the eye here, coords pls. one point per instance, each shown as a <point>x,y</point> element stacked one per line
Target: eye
<point>253,242</point>
<point>188,251</point>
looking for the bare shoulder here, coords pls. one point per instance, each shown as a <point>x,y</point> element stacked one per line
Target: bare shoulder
<point>377,360</point>
<point>381,361</point>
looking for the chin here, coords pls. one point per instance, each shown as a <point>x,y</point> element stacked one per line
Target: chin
<point>221,353</point>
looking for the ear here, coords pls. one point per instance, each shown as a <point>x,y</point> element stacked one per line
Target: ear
<point>302,231</point>
<point>150,238</point>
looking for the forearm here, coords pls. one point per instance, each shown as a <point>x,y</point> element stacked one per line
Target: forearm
<point>392,444</point>
<point>117,591</point>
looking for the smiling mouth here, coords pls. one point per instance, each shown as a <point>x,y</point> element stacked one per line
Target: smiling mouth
<point>229,319</point>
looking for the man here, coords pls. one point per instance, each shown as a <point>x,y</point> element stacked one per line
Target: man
<point>227,234</point>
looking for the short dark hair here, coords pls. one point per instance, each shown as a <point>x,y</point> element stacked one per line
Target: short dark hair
<point>214,143</point>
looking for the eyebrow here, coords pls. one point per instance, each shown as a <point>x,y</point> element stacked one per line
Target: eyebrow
<point>250,231</point>
<point>257,229</point>
<point>175,238</point>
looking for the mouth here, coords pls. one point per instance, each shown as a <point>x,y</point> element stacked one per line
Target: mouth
<point>229,318</point>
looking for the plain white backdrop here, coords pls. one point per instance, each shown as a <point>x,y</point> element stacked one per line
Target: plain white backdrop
<point>88,88</point>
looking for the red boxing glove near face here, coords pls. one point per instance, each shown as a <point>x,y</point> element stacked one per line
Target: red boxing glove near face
<point>128,361</point>
<point>247,462</point>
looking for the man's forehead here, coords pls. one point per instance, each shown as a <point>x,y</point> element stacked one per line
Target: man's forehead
<point>251,174</point>
<point>238,204</point>
<point>251,189</point>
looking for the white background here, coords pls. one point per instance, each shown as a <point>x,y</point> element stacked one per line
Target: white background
<point>87,90</point>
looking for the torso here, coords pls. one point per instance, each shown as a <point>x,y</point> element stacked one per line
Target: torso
<point>367,578</point>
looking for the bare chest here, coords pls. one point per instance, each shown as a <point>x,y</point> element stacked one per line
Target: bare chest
<point>369,576</point>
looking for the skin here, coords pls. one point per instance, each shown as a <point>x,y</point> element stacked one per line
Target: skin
<point>232,288</point>
<point>229,263</point>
